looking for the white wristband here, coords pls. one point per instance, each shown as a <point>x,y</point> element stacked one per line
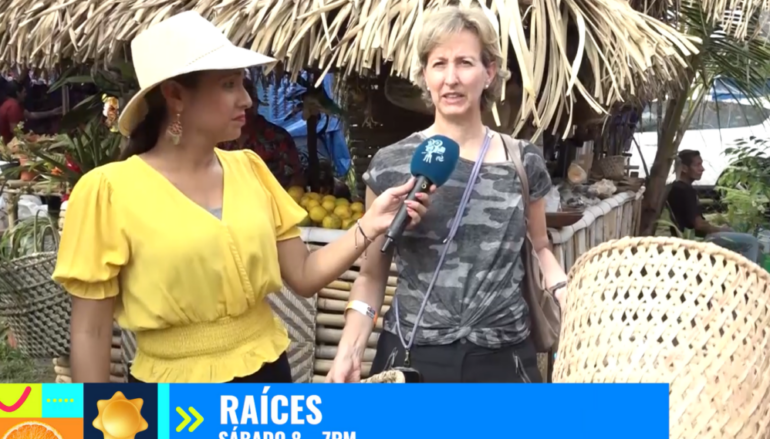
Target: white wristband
<point>363,308</point>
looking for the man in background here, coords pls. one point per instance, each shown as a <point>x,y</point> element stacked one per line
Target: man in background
<point>686,212</point>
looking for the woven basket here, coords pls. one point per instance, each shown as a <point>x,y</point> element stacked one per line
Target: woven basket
<point>612,167</point>
<point>668,310</point>
<point>386,377</point>
<point>34,306</point>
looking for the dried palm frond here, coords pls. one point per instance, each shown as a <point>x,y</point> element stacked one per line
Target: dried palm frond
<point>734,14</point>
<point>626,52</point>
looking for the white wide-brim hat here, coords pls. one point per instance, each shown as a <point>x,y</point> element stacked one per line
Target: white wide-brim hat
<point>184,43</point>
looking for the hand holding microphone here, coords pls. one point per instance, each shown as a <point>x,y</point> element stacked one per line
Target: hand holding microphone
<point>393,201</point>
<point>401,207</point>
<point>433,162</point>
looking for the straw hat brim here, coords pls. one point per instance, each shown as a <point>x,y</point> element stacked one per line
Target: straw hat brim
<point>227,57</point>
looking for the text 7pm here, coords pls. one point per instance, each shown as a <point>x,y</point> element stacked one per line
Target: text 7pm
<point>339,434</point>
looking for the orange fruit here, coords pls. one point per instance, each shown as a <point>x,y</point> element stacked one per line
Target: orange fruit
<point>32,430</point>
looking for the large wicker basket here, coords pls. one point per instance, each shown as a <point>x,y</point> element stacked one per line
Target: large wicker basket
<point>668,310</point>
<point>34,306</point>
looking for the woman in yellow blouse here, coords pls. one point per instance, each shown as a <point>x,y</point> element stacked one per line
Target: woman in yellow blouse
<point>182,242</point>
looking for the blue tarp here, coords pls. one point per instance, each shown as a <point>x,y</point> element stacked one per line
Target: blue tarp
<point>331,143</point>
<point>724,88</point>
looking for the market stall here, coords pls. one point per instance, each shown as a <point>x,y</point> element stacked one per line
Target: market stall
<point>598,54</point>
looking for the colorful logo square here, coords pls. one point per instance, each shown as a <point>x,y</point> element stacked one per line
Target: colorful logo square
<point>62,400</point>
<point>105,406</point>
<point>21,400</point>
<point>52,428</point>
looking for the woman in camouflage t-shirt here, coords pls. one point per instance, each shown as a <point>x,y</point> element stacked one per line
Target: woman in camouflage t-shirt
<point>475,325</point>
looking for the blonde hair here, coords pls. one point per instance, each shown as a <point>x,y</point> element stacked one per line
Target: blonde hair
<point>449,20</point>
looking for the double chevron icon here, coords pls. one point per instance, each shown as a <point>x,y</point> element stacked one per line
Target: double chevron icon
<point>186,419</point>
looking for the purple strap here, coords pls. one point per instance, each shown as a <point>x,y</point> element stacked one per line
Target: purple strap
<point>452,230</point>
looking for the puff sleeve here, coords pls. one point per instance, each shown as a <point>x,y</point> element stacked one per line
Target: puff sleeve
<point>93,247</point>
<point>287,214</point>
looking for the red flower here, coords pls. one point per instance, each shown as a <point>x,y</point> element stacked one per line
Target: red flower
<point>71,165</point>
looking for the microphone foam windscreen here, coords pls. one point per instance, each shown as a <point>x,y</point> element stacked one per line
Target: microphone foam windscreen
<point>435,158</point>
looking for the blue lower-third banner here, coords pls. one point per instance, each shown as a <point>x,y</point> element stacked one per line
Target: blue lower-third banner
<point>423,411</point>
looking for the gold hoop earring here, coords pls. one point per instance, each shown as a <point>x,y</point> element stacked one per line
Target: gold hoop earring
<point>175,129</point>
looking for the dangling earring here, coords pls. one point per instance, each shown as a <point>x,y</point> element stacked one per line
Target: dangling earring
<point>175,129</point>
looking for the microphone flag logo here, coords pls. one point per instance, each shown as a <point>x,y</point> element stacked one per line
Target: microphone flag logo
<point>434,146</point>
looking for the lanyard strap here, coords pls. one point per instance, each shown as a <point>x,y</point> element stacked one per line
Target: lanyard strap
<point>452,231</point>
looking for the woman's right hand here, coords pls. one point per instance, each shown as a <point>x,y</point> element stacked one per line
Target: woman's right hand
<point>346,367</point>
<point>380,214</point>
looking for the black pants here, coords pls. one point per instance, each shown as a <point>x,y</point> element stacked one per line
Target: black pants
<point>278,371</point>
<point>461,361</point>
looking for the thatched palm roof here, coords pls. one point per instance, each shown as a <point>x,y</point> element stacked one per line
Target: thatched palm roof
<point>625,49</point>
<point>734,14</point>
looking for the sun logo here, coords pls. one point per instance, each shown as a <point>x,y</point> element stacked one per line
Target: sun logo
<point>120,418</point>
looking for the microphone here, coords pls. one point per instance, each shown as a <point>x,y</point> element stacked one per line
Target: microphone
<point>432,164</point>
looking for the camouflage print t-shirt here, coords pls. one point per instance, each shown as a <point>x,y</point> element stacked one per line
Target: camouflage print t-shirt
<point>477,295</point>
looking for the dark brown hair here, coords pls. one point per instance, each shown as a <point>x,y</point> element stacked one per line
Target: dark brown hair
<point>686,156</point>
<point>146,134</point>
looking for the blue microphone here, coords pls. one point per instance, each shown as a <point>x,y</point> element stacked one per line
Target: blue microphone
<point>432,164</point>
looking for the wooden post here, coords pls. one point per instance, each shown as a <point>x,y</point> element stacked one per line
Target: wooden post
<point>12,207</point>
<point>312,153</point>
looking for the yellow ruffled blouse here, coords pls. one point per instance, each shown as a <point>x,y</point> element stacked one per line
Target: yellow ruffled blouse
<point>191,286</point>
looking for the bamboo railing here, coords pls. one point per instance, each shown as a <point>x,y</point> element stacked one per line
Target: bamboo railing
<point>613,218</point>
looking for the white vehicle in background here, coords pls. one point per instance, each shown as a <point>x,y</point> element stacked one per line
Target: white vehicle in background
<point>715,126</point>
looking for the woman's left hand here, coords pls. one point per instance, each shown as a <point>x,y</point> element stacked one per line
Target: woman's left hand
<point>380,214</point>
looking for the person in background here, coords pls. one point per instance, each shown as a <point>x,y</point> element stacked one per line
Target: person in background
<point>181,242</point>
<point>12,112</point>
<point>39,98</point>
<point>271,142</point>
<point>475,325</point>
<point>687,215</point>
